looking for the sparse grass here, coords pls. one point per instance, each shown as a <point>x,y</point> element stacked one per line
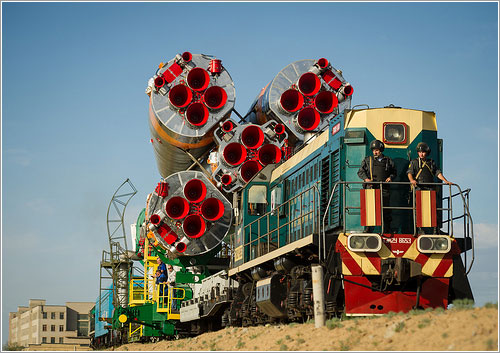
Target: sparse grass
<point>220,336</point>
<point>333,323</point>
<point>490,345</point>
<point>491,305</point>
<point>125,348</point>
<point>344,346</point>
<point>180,344</point>
<point>424,323</point>
<point>213,346</point>
<point>288,338</point>
<point>292,324</point>
<point>301,340</point>
<point>280,341</point>
<point>399,327</point>
<point>310,321</point>
<point>283,347</point>
<point>390,314</point>
<point>444,335</point>
<point>461,304</point>
<point>416,312</point>
<point>240,344</point>
<point>253,336</point>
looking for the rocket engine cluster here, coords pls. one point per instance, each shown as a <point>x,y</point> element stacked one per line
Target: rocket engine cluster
<point>192,97</point>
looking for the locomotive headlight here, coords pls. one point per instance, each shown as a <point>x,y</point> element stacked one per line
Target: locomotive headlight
<point>433,244</point>
<point>364,242</point>
<point>395,133</point>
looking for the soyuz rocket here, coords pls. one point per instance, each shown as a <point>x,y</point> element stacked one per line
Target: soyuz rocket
<point>203,155</point>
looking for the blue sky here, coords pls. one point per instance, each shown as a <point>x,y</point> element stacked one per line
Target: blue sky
<point>74,111</point>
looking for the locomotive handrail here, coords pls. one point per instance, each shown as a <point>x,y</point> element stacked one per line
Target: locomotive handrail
<point>314,211</point>
<point>468,223</point>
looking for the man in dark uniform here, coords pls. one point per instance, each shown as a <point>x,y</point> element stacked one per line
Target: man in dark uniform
<point>379,168</point>
<point>423,169</point>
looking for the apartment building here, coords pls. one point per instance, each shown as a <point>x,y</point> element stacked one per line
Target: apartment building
<point>39,324</point>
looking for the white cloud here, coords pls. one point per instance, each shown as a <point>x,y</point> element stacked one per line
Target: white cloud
<point>486,235</point>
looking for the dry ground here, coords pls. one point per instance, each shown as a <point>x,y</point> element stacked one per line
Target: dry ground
<point>459,329</point>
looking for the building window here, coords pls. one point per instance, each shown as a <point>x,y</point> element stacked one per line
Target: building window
<point>44,327</point>
<point>61,340</point>
<point>53,316</point>
<point>44,315</point>
<point>61,328</point>
<point>44,339</point>
<point>52,340</point>
<point>61,316</point>
<point>82,328</point>
<point>52,327</point>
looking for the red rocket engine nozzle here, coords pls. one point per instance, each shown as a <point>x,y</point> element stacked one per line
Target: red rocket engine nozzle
<point>198,79</point>
<point>195,190</point>
<point>279,129</point>
<point>249,169</point>
<point>252,137</point>
<point>197,114</point>
<point>215,97</point>
<point>180,96</point>
<point>194,226</point>
<point>325,102</point>
<point>309,84</point>
<point>348,90</point>
<point>269,154</point>
<point>291,100</point>
<point>308,119</point>
<point>234,153</point>
<point>187,56</point>
<point>159,82</point>
<point>177,207</point>
<point>323,63</point>
<point>155,219</point>
<point>181,247</point>
<point>212,209</point>
<point>226,179</point>
<point>227,126</point>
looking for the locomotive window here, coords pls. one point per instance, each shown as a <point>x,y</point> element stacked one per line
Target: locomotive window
<point>257,200</point>
<point>315,171</point>
<point>395,133</point>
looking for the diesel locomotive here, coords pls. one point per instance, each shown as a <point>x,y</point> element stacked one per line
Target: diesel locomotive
<point>247,206</point>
